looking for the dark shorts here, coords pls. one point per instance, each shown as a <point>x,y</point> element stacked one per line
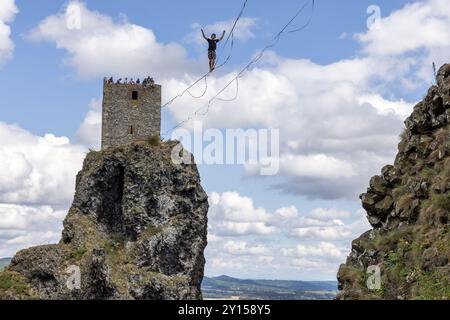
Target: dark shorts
<point>211,55</point>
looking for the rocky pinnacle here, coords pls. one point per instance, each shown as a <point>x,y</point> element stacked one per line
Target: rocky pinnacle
<point>408,206</point>
<point>136,230</point>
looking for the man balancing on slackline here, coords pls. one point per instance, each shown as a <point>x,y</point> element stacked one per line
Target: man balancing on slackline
<point>212,46</point>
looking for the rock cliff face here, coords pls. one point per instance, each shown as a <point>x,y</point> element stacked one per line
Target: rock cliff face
<point>136,230</point>
<point>408,206</point>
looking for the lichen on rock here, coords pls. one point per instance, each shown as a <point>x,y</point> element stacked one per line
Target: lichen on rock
<point>408,206</point>
<point>136,230</point>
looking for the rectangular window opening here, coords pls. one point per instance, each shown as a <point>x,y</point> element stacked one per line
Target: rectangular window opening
<point>134,95</point>
<point>131,130</point>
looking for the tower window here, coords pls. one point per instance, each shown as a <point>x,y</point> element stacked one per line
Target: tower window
<point>134,95</point>
<point>130,130</point>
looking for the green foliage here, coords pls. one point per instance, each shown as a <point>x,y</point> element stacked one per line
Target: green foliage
<point>425,204</point>
<point>117,260</point>
<point>114,244</point>
<point>405,201</point>
<point>427,173</point>
<point>392,258</point>
<point>151,230</point>
<point>443,245</point>
<point>442,201</point>
<point>154,141</point>
<point>442,134</point>
<point>381,293</point>
<point>77,254</point>
<point>399,192</point>
<point>446,170</point>
<point>94,154</point>
<point>389,241</point>
<point>350,273</point>
<point>14,285</point>
<point>433,286</point>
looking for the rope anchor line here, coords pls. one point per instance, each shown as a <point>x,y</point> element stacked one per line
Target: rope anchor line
<point>230,36</point>
<point>258,57</point>
<point>203,93</point>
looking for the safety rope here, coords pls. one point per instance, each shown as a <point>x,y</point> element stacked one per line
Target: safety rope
<point>221,65</point>
<point>258,57</point>
<point>203,93</point>
<point>230,36</point>
<point>235,96</point>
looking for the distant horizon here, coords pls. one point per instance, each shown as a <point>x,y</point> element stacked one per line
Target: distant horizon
<point>225,275</point>
<point>269,279</point>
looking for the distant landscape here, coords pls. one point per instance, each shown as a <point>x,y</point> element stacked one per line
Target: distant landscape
<point>225,287</point>
<point>4,262</point>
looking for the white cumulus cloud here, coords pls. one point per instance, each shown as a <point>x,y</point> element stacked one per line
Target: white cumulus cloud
<point>40,169</point>
<point>8,11</point>
<point>242,247</point>
<point>243,31</point>
<point>99,46</point>
<point>326,214</point>
<point>285,239</point>
<point>37,183</point>
<point>330,142</point>
<point>339,122</point>
<point>233,207</point>
<point>90,130</point>
<point>420,28</point>
<point>23,226</point>
<point>323,249</point>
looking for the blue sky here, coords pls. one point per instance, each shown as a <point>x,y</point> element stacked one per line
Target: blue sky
<point>337,91</point>
<point>64,99</point>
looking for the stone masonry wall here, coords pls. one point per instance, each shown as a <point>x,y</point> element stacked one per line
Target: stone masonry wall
<point>120,112</point>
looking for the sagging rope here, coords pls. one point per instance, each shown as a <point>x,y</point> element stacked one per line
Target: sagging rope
<point>203,93</point>
<point>258,57</point>
<point>221,65</point>
<point>235,96</point>
<point>230,35</point>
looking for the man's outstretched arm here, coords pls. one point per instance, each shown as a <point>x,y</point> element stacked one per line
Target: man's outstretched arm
<point>223,35</point>
<point>203,34</point>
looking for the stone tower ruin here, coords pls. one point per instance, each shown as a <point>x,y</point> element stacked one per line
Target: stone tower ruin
<point>131,112</point>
